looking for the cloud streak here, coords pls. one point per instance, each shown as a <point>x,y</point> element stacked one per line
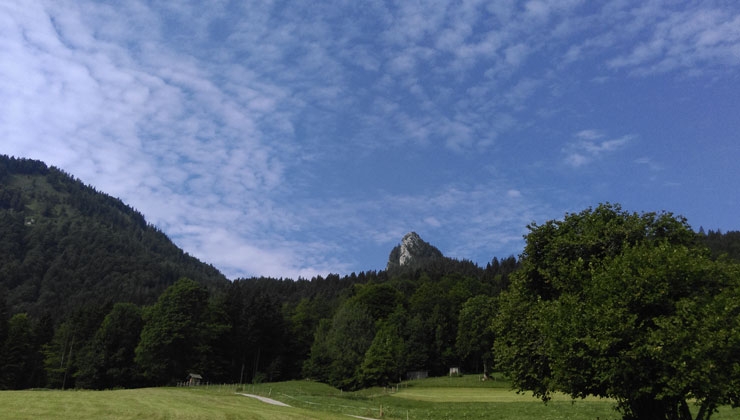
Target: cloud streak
<point>591,145</point>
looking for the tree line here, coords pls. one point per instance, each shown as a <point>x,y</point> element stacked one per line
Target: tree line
<point>353,331</point>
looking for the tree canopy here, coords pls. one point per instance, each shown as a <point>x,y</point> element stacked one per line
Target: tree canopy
<point>625,306</point>
<point>177,334</point>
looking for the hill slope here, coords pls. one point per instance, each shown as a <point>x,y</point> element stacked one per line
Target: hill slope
<point>63,244</point>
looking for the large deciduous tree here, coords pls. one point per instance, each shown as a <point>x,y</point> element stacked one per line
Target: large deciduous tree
<point>626,306</point>
<point>339,347</point>
<point>178,334</point>
<point>383,363</point>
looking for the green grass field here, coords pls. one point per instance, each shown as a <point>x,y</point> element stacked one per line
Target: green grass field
<point>150,403</point>
<point>429,399</point>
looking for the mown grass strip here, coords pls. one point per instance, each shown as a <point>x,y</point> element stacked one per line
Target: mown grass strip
<point>150,403</point>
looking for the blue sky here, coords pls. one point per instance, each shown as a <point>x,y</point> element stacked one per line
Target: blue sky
<point>300,138</point>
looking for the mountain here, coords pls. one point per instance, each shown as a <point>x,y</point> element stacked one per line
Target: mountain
<point>64,245</point>
<point>413,252</point>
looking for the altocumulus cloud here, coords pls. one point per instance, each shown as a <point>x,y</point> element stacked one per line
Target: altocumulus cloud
<point>141,121</point>
<point>275,139</point>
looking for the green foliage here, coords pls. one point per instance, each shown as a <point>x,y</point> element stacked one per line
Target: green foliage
<point>177,334</point>
<point>433,321</point>
<point>383,364</point>
<point>722,244</point>
<point>70,344</point>
<point>304,320</point>
<point>18,354</point>
<point>624,306</point>
<point>475,332</point>
<point>3,318</point>
<point>351,335</point>
<point>258,340</point>
<point>558,255</point>
<point>109,360</point>
<point>379,299</point>
<point>317,366</point>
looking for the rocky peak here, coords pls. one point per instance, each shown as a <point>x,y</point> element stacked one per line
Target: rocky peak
<point>411,244</point>
<point>412,251</point>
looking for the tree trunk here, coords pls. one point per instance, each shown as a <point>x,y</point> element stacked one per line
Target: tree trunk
<point>648,409</point>
<point>705,410</point>
<point>683,410</point>
<point>652,409</point>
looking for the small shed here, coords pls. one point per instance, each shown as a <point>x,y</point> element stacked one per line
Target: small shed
<point>194,379</point>
<point>455,371</point>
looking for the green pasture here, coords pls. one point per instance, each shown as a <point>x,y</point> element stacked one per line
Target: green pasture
<point>429,399</point>
<point>149,403</point>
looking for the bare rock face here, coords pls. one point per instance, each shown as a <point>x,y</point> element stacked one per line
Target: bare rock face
<point>413,251</point>
<point>411,245</point>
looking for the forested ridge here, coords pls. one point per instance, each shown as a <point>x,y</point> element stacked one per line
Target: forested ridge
<point>64,244</point>
<point>92,296</point>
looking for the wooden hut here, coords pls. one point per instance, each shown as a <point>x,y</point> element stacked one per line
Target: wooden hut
<point>194,379</point>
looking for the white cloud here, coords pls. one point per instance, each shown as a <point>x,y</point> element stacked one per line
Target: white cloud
<point>590,147</point>
<point>598,148</point>
<point>432,221</point>
<point>514,194</point>
<point>402,64</point>
<point>576,159</point>
<point>694,39</point>
<point>537,8</point>
<point>516,54</point>
<point>650,163</point>
<point>589,134</point>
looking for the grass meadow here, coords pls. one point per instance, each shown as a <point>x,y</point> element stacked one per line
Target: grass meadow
<point>429,399</point>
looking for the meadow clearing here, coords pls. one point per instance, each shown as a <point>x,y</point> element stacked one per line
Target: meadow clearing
<point>435,398</point>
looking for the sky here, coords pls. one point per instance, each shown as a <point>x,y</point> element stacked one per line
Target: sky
<point>297,138</point>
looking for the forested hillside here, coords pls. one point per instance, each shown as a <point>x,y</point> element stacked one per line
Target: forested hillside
<point>64,244</point>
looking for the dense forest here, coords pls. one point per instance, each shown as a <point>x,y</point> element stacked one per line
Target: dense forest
<point>92,296</point>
